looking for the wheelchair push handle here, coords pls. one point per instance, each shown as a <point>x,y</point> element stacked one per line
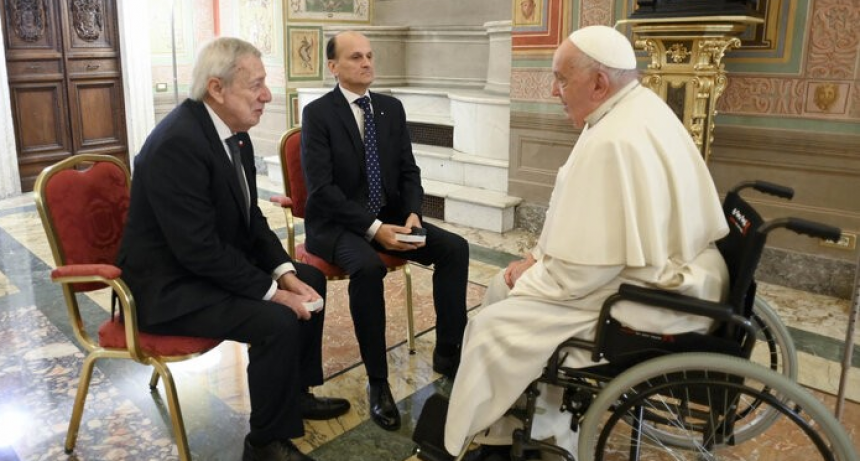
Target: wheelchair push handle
<point>804,226</point>
<point>766,188</point>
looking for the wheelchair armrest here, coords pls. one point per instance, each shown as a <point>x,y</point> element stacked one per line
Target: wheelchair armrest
<point>660,298</point>
<point>670,300</point>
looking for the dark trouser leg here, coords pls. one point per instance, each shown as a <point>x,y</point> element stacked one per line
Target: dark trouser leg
<point>366,299</point>
<point>311,356</point>
<point>284,356</point>
<point>449,255</point>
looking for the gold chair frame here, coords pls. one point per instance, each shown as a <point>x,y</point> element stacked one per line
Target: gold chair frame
<point>94,351</point>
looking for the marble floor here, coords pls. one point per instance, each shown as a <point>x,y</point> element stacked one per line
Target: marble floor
<point>40,362</point>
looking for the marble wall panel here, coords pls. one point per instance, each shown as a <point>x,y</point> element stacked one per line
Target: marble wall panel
<point>481,126</point>
<point>439,12</point>
<point>447,58</point>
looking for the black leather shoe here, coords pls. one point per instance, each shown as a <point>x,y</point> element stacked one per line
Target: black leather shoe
<point>279,450</point>
<point>383,410</point>
<point>320,408</point>
<point>446,365</point>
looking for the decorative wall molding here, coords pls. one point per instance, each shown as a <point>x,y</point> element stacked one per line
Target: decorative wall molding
<point>811,152</point>
<point>532,84</point>
<point>596,14</point>
<point>791,97</point>
<point>834,39</point>
<point>540,144</point>
<point>545,37</point>
<point>434,56</point>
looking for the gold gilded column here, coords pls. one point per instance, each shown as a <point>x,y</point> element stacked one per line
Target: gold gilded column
<point>686,67</point>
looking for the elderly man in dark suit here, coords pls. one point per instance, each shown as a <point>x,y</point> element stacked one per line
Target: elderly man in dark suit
<point>202,261</point>
<point>364,189</point>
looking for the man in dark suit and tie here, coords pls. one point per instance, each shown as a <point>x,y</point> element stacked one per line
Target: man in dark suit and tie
<point>201,259</point>
<point>364,188</point>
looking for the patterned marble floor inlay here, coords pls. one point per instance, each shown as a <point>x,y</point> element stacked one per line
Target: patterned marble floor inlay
<point>6,287</point>
<point>40,362</point>
<point>39,370</point>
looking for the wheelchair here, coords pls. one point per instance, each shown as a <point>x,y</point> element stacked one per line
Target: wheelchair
<point>688,396</point>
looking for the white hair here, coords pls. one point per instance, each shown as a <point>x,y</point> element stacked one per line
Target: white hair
<point>218,59</point>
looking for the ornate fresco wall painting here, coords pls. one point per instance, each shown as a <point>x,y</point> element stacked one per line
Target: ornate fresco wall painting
<point>539,25</point>
<point>293,109</point>
<point>256,23</point>
<point>304,53</point>
<point>537,29</point>
<point>827,97</point>
<point>529,13</point>
<point>803,65</point>
<point>328,10</point>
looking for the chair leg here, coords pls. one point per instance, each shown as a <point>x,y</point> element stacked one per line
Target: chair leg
<point>175,411</point>
<point>153,380</point>
<point>410,316</point>
<point>80,399</point>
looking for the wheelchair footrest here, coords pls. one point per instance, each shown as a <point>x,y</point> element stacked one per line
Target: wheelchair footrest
<point>429,431</point>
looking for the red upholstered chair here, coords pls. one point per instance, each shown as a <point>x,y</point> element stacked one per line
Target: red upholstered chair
<point>293,204</point>
<point>83,202</point>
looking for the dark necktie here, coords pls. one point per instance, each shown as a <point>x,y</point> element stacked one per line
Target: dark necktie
<point>371,158</point>
<point>235,143</point>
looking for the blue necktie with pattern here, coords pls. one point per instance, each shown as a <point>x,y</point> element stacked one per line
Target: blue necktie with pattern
<point>371,158</point>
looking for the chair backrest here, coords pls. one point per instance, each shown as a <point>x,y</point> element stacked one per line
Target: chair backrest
<point>83,202</point>
<point>291,166</point>
<point>741,249</point>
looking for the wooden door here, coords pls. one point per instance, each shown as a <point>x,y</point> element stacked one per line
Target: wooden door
<point>65,81</point>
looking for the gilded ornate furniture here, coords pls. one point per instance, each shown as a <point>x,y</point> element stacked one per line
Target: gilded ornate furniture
<point>686,67</point>
<point>83,202</point>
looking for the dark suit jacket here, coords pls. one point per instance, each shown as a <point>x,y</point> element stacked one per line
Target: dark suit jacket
<point>335,172</point>
<point>186,244</point>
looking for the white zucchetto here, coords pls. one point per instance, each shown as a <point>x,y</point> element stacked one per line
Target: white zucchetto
<point>606,46</point>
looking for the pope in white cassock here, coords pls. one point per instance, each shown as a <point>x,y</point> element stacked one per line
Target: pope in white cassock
<point>634,203</point>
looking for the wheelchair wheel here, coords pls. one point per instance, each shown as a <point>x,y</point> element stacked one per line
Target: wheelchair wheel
<point>693,396</point>
<point>775,350</point>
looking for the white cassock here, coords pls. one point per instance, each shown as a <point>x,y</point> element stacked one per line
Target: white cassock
<point>634,203</point>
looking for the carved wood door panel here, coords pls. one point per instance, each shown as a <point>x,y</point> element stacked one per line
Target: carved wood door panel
<point>65,81</point>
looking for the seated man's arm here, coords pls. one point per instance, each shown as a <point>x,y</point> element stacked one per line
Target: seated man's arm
<point>177,185</point>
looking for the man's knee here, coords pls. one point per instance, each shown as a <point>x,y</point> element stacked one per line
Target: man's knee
<point>270,322</point>
<point>369,268</point>
<point>455,247</point>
